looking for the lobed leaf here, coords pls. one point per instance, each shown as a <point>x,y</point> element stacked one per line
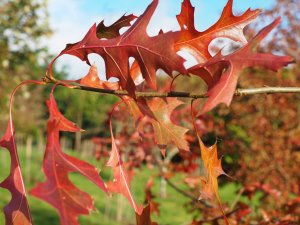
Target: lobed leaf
<point>228,26</point>
<point>151,53</point>
<point>213,170</point>
<point>158,112</point>
<point>121,182</point>
<point>58,190</point>
<point>17,211</point>
<point>186,18</point>
<point>221,73</point>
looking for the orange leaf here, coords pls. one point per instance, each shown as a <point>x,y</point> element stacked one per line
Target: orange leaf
<point>228,26</point>
<point>213,170</point>
<point>92,80</point>
<point>158,112</point>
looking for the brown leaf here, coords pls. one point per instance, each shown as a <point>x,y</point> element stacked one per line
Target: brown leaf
<point>145,217</point>
<point>113,30</point>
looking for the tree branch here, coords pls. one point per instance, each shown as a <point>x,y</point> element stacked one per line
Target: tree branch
<point>175,94</point>
<point>266,90</point>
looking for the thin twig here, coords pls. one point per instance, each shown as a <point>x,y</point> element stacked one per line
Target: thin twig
<point>266,90</point>
<point>237,198</point>
<point>218,217</point>
<point>176,94</point>
<point>186,194</point>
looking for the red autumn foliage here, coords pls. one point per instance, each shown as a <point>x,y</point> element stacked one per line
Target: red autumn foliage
<point>17,211</point>
<point>158,122</point>
<point>58,190</point>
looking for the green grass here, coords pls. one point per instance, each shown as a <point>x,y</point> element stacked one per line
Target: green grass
<point>173,210</point>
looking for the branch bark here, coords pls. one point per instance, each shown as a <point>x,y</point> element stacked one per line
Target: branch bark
<point>176,94</point>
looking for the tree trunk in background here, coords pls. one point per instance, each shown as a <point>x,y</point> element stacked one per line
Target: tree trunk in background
<point>120,208</point>
<point>28,158</point>
<point>163,188</point>
<point>79,116</point>
<point>78,134</point>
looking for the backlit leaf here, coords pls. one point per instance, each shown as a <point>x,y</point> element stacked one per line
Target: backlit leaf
<point>58,190</point>
<point>151,53</point>
<point>225,70</point>
<point>121,182</point>
<point>92,80</point>
<point>17,211</point>
<point>213,169</point>
<point>158,112</point>
<point>228,26</point>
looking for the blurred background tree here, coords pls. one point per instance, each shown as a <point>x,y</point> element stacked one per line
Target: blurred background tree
<point>286,39</point>
<point>88,110</point>
<point>24,30</point>
<point>23,27</point>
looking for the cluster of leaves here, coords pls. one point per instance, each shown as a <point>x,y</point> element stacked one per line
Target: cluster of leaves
<point>153,117</point>
<point>261,136</point>
<point>260,133</point>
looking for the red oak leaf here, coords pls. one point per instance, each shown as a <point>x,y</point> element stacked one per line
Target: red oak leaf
<point>113,30</point>
<point>17,211</point>
<point>228,26</point>
<point>221,73</point>
<point>186,18</point>
<point>213,169</point>
<point>58,190</point>
<point>121,181</point>
<point>158,112</point>
<point>145,217</point>
<point>151,53</point>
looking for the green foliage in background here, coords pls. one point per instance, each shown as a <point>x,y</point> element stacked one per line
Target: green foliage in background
<point>23,26</point>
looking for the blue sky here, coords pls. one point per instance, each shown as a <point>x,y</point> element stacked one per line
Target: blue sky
<point>71,19</point>
<point>207,11</point>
